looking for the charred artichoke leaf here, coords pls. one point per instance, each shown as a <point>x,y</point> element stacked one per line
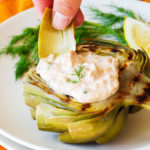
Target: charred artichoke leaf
<point>33,100</point>
<point>134,86</point>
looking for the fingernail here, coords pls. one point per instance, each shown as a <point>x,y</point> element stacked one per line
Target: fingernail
<point>60,21</point>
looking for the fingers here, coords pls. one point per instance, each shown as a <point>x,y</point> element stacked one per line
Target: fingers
<point>79,18</point>
<point>64,11</point>
<point>40,6</point>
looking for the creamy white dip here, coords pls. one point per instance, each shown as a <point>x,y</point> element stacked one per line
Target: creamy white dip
<point>96,80</point>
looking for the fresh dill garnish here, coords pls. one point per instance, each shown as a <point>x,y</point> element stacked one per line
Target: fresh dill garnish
<point>21,66</point>
<point>79,73</point>
<point>25,45</point>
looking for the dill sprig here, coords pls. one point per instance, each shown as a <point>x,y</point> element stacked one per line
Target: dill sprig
<point>22,66</point>
<point>79,73</point>
<point>24,46</point>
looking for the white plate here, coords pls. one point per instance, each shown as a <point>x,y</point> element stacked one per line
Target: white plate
<point>11,145</point>
<point>15,120</point>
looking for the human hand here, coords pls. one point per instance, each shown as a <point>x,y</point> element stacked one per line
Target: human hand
<point>63,11</point>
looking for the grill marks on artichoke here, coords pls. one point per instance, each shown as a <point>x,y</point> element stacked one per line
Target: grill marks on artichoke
<point>137,78</point>
<point>85,106</point>
<point>115,50</point>
<point>130,56</point>
<point>37,81</point>
<point>68,98</point>
<point>122,68</point>
<point>145,96</point>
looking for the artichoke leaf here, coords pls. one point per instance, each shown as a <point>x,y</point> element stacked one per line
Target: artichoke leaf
<point>116,128</point>
<point>53,41</point>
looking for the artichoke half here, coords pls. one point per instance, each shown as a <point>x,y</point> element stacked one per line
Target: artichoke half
<point>103,120</point>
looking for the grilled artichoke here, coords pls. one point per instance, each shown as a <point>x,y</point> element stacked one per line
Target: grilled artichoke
<point>101,120</point>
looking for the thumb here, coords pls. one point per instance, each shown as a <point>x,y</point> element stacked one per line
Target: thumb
<point>64,11</point>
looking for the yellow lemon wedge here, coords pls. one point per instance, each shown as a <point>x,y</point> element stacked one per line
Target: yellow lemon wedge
<point>53,41</point>
<point>137,34</point>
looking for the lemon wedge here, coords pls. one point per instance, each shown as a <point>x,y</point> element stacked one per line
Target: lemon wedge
<point>137,34</point>
<point>53,41</point>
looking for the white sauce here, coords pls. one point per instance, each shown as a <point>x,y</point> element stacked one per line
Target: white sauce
<point>99,81</point>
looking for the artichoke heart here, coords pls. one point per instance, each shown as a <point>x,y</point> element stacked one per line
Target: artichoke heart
<point>61,113</point>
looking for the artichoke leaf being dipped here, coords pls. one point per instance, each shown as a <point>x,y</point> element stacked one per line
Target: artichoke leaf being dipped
<point>53,41</point>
